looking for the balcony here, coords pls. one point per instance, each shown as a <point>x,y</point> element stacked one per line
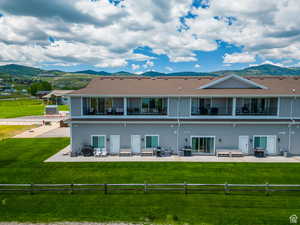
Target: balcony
<point>211,107</point>
<point>103,106</point>
<point>256,106</point>
<point>147,106</point>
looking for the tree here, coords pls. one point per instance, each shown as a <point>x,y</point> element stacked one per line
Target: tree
<point>39,86</point>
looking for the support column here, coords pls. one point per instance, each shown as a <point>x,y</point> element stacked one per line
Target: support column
<point>234,107</point>
<point>125,106</point>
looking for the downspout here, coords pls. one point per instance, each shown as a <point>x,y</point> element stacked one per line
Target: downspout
<point>292,120</point>
<point>178,124</point>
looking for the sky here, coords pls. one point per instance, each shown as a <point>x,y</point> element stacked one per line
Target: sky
<point>158,35</point>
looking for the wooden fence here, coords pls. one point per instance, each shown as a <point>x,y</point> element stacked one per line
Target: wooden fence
<point>179,187</point>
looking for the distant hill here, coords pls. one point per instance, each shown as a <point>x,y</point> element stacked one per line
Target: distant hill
<point>93,72</point>
<point>19,70</point>
<point>263,70</point>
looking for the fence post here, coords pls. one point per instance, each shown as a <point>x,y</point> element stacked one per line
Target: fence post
<point>105,189</point>
<point>72,185</point>
<point>31,189</point>
<point>145,187</point>
<point>267,189</point>
<point>185,188</point>
<point>226,188</point>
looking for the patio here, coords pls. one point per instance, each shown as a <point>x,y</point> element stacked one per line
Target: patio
<point>64,156</point>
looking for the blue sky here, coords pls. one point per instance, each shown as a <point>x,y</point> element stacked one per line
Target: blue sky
<point>170,36</point>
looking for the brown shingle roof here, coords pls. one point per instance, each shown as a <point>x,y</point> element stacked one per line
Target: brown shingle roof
<point>184,86</point>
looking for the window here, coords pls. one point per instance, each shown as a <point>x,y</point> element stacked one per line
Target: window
<point>260,142</point>
<point>147,106</point>
<point>98,141</point>
<point>152,141</point>
<point>203,144</point>
<point>103,106</point>
<point>211,106</point>
<point>256,106</point>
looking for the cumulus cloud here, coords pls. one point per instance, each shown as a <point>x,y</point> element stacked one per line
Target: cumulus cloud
<point>135,66</point>
<point>168,68</point>
<point>106,34</point>
<point>239,58</point>
<point>197,66</point>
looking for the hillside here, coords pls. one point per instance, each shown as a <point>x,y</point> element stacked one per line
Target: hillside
<point>79,79</point>
<point>263,70</point>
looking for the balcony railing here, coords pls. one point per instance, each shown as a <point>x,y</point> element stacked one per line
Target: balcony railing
<point>212,111</point>
<point>245,111</point>
<point>154,111</point>
<point>110,111</point>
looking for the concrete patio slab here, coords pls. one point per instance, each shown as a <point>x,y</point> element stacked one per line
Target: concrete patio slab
<point>35,132</point>
<point>64,156</point>
<point>57,132</point>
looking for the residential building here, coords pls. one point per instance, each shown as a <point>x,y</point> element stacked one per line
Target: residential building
<point>58,97</point>
<point>206,113</point>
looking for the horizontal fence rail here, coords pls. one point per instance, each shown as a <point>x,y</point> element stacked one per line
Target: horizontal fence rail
<point>145,187</point>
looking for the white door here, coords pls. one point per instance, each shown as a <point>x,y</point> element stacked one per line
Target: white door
<point>136,144</point>
<point>114,144</point>
<point>244,144</point>
<point>271,145</point>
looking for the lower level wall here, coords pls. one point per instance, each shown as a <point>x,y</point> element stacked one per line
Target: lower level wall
<point>226,136</point>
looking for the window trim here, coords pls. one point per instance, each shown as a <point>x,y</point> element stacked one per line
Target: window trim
<point>203,136</point>
<point>150,135</point>
<point>98,135</point>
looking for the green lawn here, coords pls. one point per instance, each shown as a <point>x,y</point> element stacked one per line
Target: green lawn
<point>21,161</point>
<point>17,108</point>
<point>24,107</point>
<point>7,131</point>
<point>63,108</point>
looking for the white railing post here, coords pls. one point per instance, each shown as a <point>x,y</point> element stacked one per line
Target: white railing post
<point>125,106</point>
<point>234,107</point>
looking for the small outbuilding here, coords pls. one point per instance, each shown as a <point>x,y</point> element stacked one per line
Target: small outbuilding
<point>57,97</point>
<point>51,110</point>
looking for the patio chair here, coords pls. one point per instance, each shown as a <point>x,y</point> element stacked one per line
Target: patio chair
<point>97,152</point>
<point>100,152</point>
<point>104,152</point>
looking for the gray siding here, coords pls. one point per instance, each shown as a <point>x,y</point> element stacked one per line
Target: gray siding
<point>226,136</point>
<point>285,107</point>
<point>184,107</point>
<point>75,106</point>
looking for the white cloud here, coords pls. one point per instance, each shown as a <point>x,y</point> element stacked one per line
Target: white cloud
<point>197,66</point>
<point>148,64</point>
<point>168,68</point>
<point>268,62</point>
<point>101,34</point>
<point>239,58</point>
<point>135,66</point>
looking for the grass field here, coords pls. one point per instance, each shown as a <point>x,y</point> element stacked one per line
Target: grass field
<point>21,161</point>
<point>24,107</point>
<point>63,108</point>
<point>7,131</point>
<point>17,108</point>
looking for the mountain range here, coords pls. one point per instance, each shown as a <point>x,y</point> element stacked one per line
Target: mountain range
<point>261,70</point>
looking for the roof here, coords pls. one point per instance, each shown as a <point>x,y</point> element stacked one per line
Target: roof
<point>187,86</point>
<point>58,93</point>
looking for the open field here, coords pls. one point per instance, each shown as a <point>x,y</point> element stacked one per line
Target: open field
<point>21,162</point>
<point>7,131</point>
<point>24,107</point>
<point>17,108</point>
<point>63,108</point>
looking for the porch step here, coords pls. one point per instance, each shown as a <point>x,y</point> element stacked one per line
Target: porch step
<point>229,154</point>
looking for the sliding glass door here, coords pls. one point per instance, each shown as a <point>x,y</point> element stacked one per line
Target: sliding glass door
<point>152,141</point>
<point>203,144</point>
